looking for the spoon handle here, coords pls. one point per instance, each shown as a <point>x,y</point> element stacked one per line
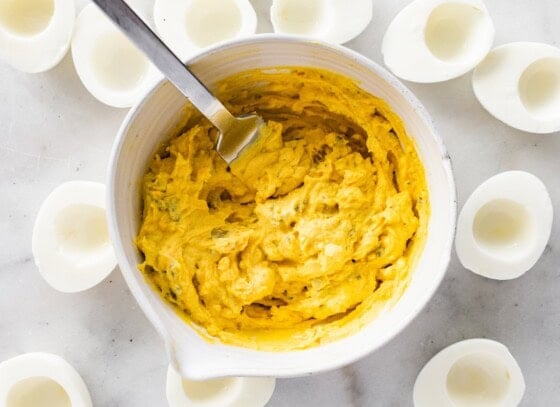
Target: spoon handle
<point>167,62</point>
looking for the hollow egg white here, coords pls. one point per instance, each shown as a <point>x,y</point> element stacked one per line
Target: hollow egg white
<point>470,373</point>
<point>437,40</point>
<point>224,392</point>
<point>519,84</point>
<point>35,34</point>
<point>111,68</point>
<point>504,226</point>
<point>41,379</point>
<point>191,25</point>
<point>71,244</point>
<point>336,21</point>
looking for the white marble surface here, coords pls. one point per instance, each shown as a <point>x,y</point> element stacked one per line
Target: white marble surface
<point>52,130</point>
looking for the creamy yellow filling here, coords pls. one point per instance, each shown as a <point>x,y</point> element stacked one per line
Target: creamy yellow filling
<point>309,237</point>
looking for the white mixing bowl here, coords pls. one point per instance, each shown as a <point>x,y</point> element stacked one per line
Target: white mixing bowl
<point>151,121</point>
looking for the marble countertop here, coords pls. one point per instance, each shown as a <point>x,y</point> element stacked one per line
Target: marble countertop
<point>52,131</point>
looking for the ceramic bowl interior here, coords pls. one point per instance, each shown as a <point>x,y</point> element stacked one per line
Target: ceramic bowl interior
<point>151,122</point>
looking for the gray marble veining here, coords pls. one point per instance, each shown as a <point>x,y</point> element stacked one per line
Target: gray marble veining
<point>52,130</point>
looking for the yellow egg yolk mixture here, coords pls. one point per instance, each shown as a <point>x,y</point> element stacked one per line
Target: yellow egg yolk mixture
<point>301,242</point>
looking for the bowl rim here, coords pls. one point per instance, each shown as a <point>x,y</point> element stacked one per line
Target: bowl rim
<point>325,364</point>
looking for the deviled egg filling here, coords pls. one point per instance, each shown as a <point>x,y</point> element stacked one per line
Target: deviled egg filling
<point>304,242</point>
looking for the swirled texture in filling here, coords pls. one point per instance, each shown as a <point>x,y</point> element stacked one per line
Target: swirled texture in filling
<point>306,238</point>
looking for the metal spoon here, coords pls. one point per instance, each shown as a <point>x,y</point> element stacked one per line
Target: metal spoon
<point>235,133</point>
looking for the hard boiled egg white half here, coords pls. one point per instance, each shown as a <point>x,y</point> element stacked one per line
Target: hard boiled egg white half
<point>226,392</point>
<point>336,21</point>
<point>519,84</point>
<point>504,226</point>
<point>41,379</point>
<point>111,68</point>
<point>189,26</point>
<point>71,244</point>
<point>437,40</point>
<point>470,373</point>
<point>35,34</point>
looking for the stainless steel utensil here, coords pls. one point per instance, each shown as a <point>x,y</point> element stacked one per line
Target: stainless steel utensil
<point>235,133</point>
